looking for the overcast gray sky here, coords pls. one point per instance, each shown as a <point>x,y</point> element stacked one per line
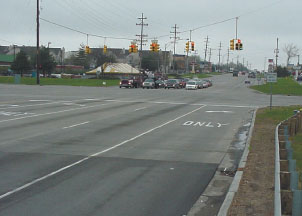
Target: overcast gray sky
<point>260,23</point>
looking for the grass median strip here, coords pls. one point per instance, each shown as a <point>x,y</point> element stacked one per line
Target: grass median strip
<point>284,86</point>
<point>67,82</point>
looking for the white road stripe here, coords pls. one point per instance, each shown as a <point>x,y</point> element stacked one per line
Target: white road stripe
<point>39,100</point>
<point>140,108</point>
<point>93,155</point>
<point>76,125</point>
<point>219,111</point>
<point>50,113</point>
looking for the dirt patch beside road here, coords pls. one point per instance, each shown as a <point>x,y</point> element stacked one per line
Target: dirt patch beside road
<point>255,195</point>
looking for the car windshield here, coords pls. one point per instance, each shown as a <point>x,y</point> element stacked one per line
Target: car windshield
<point>191,83</point>
<point>149,80</point>
<point>171,81</point>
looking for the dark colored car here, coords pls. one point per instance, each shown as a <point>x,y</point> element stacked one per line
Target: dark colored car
<point>127,83</point>
<point>252,75</point>
<point>159,84</point>
<point>235,74</point>
<point>182,83</point>
<point>172,83</point>
<point>299,78</point>
<point>210,82</point>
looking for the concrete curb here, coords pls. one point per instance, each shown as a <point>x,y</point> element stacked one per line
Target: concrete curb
<point>236,181</point>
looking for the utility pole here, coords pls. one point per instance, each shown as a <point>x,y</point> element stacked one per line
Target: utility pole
<point>219,56</point>
<point>237,27</point>
<point>228,60</point>
<point>206,49</point>
<point>175,32</point>
<point>277,52</point>
<point>38,41</point>
<point>210,54</point>
<point>141,37</point>
<point>14,52</point>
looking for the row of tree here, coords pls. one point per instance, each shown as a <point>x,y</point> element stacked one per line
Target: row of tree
<point>23,63</point>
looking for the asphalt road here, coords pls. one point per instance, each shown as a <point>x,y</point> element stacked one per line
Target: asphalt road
<point>110,151</point>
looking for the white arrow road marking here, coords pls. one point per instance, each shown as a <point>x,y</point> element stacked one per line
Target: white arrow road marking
<point>220,125</point>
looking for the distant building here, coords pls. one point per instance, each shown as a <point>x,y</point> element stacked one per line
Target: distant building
<point>6,60</point>
<point>31,51</point>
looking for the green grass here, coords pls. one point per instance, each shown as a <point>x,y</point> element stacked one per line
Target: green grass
<point>297,146</point>
<point>67,82</point>
<point>284,86</point>
<point>200,76</point>
<point>278,114</point>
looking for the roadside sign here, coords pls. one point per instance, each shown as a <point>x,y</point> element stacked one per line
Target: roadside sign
<point>297,67</point>
<point>271,77</point>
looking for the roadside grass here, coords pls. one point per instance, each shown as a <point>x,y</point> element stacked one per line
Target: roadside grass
<point>297,155</point>
<point>67,82</point>
<point>277,114</point>
<point>284,86</point>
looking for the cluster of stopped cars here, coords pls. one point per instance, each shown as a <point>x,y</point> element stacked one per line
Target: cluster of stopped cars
<point>189,84</point>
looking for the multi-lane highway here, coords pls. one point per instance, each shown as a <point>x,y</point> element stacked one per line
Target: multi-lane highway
<point>110,151</point>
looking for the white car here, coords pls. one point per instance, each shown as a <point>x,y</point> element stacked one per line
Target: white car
<point>192,85</point>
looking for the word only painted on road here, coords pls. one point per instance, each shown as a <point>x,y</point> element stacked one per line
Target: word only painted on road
<point>204,124</point>
<point>14,113</point>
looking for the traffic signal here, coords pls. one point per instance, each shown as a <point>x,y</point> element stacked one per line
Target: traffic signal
<point>105,49</point>
<point>188,46</point>
<point>237,46</point>
<point>135,49</point>
<point>240,46</point>
<point>131,48</point>
<point>232,44</point>
<point>87,50</point>
<point>192,46</point>
<point>153,47</point>
<point>157,47</point>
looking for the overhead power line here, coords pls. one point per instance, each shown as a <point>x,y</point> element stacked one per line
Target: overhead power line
<point>84,33</point>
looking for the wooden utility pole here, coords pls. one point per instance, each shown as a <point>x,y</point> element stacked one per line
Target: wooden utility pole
<point>174,42</point>
<point>219,56</point>
<point>206,49</point>
<point>38,42</point>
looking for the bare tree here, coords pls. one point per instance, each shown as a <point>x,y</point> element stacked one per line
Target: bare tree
<point>291,51</point>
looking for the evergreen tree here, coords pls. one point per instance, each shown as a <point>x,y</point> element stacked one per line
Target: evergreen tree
<point>21,63</point>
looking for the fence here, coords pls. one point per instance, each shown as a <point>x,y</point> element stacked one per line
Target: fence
<point>288,197</point>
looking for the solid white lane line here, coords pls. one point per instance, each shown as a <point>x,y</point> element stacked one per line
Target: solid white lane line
<point>50,113</point>
<point>76,125</point>
<point>219,111</point>
<point>140,108</point>
<point>39,100</point>
<point>93,155</point>
<point>182,103</point>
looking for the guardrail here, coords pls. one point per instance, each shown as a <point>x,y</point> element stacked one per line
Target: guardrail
<point>288,197</point>
<point>277,175</point>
